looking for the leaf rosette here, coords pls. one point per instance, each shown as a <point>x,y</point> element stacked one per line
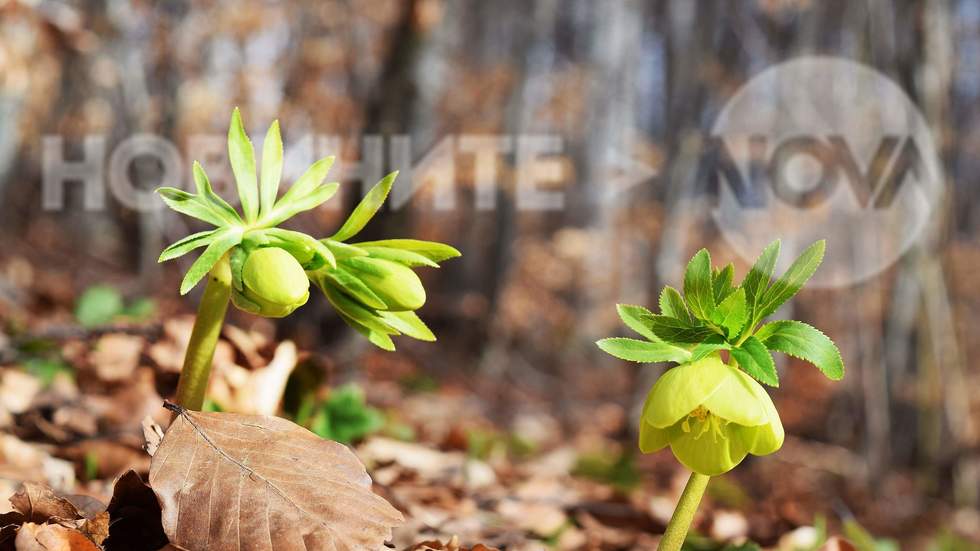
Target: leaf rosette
<point>372,285</point>
<point>712,414</point>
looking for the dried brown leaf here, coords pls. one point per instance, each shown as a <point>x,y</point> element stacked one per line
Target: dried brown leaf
<point>39,504</point>
<point>228,482</point>
<point>135,516</point>
<point>451,545</point>
<point>52,537</point>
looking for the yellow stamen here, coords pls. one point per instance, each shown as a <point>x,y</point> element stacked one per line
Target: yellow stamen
<point>704,422</point>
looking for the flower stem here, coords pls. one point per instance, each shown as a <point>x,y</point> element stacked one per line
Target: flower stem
<point>680,522</point>
<point>194,375</point>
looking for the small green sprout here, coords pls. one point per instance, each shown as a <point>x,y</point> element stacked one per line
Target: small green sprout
<point>266,270</point>
<point>710,413</point>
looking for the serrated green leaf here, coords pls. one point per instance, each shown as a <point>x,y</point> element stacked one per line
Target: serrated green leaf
<point>732,313</point>
<point>434,251</point>
<point>187,244</point>
<point>191,205</point>
<point>271,168</point>
<point>698,289</point>
<point>222,243</point>
<point>207,195</point>
<point>672,304</point>
<point>310,180</point>
<point>410,324</point>
<point>722,282</point>
<point>635,318</point>
<point>407,258</point>
<point>754,359</point>
<point>242,158</point>
<point>804,342</point>
<point>673,330</point>
<point>792,281</point>
<point>366,208</point>
<point>710,344</point>
<point>757,280</point>
<point>643,351</point>
<point>286,209</point>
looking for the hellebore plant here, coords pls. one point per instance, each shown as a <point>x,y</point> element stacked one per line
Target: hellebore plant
<point>711,413</point>
<point>267,270</point>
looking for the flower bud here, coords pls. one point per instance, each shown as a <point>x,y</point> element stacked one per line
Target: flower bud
<point>393,283</point>
<point>273,283</point>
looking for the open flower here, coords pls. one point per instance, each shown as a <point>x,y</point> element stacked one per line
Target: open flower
<point>711,415</point>
<point>273,283</point>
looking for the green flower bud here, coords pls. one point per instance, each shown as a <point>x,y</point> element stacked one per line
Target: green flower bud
<point>395,284</point>
<point>711,415</point>
<point>273,283</point>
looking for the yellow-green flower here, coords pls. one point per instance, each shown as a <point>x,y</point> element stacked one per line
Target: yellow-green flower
<point>273,283</point>
<point>711,415</point>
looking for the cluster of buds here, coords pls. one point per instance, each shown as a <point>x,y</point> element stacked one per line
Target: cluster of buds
<point>371,285</point>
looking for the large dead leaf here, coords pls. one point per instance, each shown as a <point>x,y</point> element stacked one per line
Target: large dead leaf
<point>228,482</point>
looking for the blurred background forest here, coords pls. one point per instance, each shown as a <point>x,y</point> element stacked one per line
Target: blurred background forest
<point>631,89</point>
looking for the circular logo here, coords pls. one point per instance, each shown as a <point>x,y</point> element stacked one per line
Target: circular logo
<point>824,148</point>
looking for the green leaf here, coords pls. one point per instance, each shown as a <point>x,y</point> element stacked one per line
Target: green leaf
<point>187,244</point>
<point>207,195</point>
<point>98,305</point>
<point>804,342</point>
<point>732,313</point>
<point>271,168</point>
<point>366,208</point>
<point>242,157</point>
<point>434,251</point>
<point>673,330</point>
<point>321,254</point>
<point>192,205</point>
<point>698,285</point>
<point>345,417</point>
<point>757,280</point>
<point>635,318</point>
<point>711,344</point>
<point>792,281</point>
<point>722,282</point>
<point>222,243</point>
<point>285,210</point>
<point>754,359</point>
<point>407,258</point>
<point>410,324</point>
<point>672,304</point>
<point>309,181</point>
<point>343,250</point>
<point>354,287</point>
<point>357,313</point>
<point>642,351</point>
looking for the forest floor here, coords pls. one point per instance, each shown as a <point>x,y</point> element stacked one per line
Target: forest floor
<point>468,457</point>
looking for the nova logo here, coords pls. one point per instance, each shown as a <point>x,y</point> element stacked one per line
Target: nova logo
<point>820,148</point>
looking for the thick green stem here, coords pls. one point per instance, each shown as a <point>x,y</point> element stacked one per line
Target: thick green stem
<point>204,337</point>
<point>680,522</point>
